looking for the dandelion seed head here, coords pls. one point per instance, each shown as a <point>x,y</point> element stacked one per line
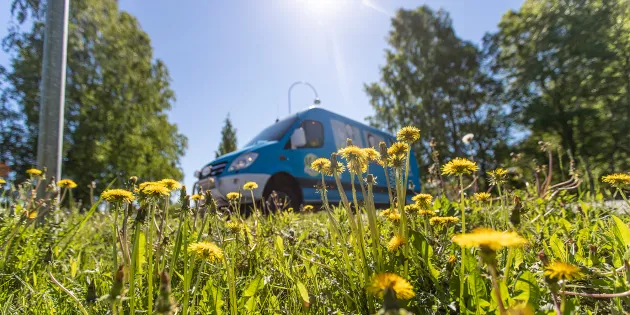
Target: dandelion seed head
<point>466,139</point>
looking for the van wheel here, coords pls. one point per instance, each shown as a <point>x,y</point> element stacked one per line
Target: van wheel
<point>282,192</point>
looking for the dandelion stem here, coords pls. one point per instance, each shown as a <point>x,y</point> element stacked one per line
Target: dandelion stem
<point>389,187</point>
<point>462,271</point>
<point>149,251</point>
<point>497,290</point>
<point>114,249</point>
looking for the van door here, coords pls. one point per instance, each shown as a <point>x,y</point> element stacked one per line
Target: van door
<point>300,158</point>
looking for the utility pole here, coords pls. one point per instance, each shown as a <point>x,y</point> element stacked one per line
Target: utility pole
<point>50,134</point>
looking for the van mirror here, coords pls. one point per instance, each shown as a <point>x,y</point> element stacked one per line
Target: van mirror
<point>298,138</point>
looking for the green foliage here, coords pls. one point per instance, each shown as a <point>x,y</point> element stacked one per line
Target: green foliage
<point>117,98</point>
<point>228,139</point>
<point>435,81</point>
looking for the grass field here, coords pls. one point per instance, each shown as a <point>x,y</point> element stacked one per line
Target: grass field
<point>140,250</point>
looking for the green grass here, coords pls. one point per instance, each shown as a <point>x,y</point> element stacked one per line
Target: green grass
<point>293,262</point>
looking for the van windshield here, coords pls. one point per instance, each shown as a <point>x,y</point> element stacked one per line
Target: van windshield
<point>273,132</point>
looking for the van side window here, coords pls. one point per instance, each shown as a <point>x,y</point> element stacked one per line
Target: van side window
<point>343,131</point>
<point>314,132</point>
<point>373,140</point>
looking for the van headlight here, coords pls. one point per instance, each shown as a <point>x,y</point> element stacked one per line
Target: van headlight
<point>243,161</point>
<point>206,171</point>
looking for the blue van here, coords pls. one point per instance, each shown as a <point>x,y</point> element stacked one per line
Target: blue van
<point>279,158</point>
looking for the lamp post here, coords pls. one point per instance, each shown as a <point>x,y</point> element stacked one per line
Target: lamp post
<point>316,101</point>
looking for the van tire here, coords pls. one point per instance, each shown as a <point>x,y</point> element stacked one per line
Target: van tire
<point>286,188</point>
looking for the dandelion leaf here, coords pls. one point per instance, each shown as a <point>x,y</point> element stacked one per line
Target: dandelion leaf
<point>557,247</point>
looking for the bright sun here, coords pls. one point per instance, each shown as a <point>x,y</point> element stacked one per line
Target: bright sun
<point>322,8</point>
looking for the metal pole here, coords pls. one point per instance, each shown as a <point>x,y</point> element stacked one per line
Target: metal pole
<point>50,136</point>
<point>316,101</point>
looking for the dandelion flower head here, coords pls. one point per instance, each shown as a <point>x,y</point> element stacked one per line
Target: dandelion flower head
<point>459,166</point>
<point>67,183</point>
<point>250,186</point>
<point>408,134</point>
<point>383,281</point>
<point>562,271</point>
<point>118,195</point>
<point>395,243</point>
<point>489,239</point>
<point>206,250</point>
<point>617,180</point>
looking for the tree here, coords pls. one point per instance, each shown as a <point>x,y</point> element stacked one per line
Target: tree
<point>566,67</point>
<point>228,138</point>
<point>435,81</point>
<point>117,96</point>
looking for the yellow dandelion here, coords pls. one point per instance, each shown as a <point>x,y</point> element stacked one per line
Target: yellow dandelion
<point>459,166</point>
<point>489,239</point>
<point>617,180</point>
<point>498,176</point>
<point>396,161</point>
<point>372,154</point>
<point>452,259</point>
<point>156,191</point>
<point>562,271</point>
<point>145,184</point>
<point>521,309</point>
<point>321,165</point>
<point>408,134</point>
<point>33,172</point>
<point>250,186</point>
<point>118,195</point>
<point>337,169</point>
<point>395,243</point>
<point>394,216</point>
<point>2,181</point>
<point>482,196</point>
<point>398,149</point>
<point>197,197</point>
<point>423,201</point>
<point>412,209</point>
<point>383,281</point>
<point>308,208</point>
<point>171,184</point>
<point>385,213</point>
<point>32,215</point>
<point>67,183</point>
<point>233,196</point>
<point>443,220</point>
<point>206,250</point>
<point>426,213</point>
<point>357,159</point>
<point>236,227</point>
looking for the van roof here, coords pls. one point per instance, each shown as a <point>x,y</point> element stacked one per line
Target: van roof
<point>323,111</point>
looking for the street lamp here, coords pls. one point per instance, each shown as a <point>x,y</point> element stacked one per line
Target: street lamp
<point>316,101</point>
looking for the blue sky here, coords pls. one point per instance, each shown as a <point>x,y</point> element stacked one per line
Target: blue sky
<point>240,56</point>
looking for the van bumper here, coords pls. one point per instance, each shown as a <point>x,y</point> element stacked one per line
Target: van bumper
<point>221,186</point>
